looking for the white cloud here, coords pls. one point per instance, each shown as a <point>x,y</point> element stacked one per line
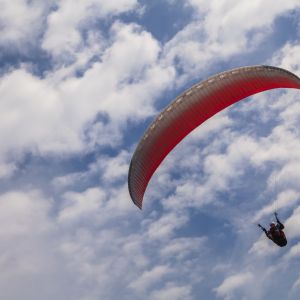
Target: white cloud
<point>213,167</point>
<point>219,122</point>
<point>150,277</point>
<point>63,35</point>
<point>172,292</point>
<point>232,283</point>
<point>84,207</point>
<point>98,260</point>
<point>288,58</point>
<point>49,116</point>
<point>110,169</point>
<point>180,248</point>
<point>284,199</point>
<point>80,205</point>
<point>33,116</point>
<point>29,258</point>
<point>117,168</point>
<point>221,29</point>
<point>296,285</point>
<point>65,181</point>
<point>23,214</point>
<point>164,227</point>
<point>21,23</point>
<point>264,247</point>
<point>294,252</point>
<point>292,224</point>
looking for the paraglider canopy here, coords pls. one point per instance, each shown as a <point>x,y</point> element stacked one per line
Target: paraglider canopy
<point>191,109</point>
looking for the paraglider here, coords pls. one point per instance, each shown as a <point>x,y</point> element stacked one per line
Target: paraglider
<point>275,233</point>
<point>191,109</point>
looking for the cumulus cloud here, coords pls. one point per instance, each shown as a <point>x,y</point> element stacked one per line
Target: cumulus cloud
<point>263,247</point>
<point>293,253</point>
<point>288,57</point>
<point>33,113</point>
<point>81,205</point>
<point>221,163</point>
<point>149,278</point>
<point>48,116</point>
<point>29,243</point>
<point>283,200</point>
<point>233,283</point>
<point>165,226</point>
<point>24,214</point>
<point>220,30</point>
<point>293,223</point>
<point>66,23</point>
<point>183,247</point>
<point>171,292</point>
<point>22,23</point>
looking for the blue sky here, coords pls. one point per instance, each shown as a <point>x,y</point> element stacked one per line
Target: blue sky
<point>80,82</point>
